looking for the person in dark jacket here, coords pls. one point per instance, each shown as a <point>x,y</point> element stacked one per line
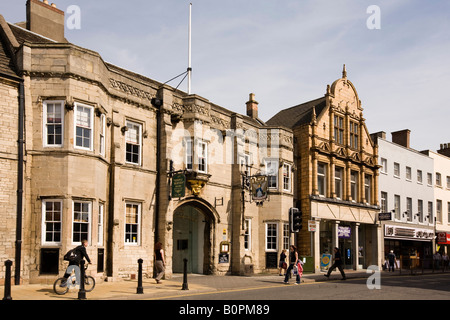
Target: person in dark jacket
<point>392,260</point>
<point>337,264</point>
<point>293,261</point>
<point>282,263</point>
<point>81,254</point>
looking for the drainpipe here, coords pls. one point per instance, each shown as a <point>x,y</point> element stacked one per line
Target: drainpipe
<point>158,103</point>
<point>111,202</point>
<point>20,143</point>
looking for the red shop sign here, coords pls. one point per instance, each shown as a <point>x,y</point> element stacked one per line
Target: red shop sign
<point>443,238</point>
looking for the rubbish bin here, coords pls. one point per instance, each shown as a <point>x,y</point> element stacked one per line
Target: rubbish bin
<point>308,265</point>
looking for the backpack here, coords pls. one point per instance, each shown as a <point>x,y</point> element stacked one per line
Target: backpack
<point>72,255</point>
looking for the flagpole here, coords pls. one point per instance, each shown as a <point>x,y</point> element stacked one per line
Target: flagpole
<point>189,70</point>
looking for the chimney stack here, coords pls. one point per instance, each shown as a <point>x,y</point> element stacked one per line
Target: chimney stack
<point>46,20</point>
<point>401,137</point>
<point>445,149</point>
<point>252,107</point>
<point>376,135</point>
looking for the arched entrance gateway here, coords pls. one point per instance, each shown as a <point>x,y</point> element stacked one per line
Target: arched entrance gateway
<point>194,223</point>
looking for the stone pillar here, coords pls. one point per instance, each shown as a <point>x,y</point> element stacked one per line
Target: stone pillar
<point>355,241</point>
<point>378,255</point>
<point>331,183</point>
<point>362,177</point>
<point>315,190</point>
<point>347,183</point>
<point>316,247</point>
<point>334,234</point>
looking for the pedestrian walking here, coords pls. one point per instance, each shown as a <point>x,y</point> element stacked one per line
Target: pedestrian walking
<point>337,264</point>
<point>445,260</point>
<point>160,263</point>
<point>437,260</point>
<point>392,260</point>
<point>293,263</point>
<point>282,263</point>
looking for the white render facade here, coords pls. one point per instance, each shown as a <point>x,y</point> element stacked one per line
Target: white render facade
<point>406,186</point>
<point>442,197</point>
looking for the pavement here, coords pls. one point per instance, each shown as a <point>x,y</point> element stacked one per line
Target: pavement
<point>173,288</point>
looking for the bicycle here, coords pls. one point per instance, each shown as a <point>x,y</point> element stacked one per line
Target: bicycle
<point>62,288</point>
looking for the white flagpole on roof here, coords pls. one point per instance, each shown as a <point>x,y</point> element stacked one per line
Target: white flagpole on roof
<point>189,49</point>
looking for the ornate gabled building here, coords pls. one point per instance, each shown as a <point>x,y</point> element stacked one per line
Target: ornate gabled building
<point>337,177</point>
<point>124,161</point>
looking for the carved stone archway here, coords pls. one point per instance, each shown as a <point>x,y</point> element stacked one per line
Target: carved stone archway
<point>194,222</point>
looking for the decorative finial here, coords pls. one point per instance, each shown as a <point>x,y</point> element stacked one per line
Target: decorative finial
<point>313,116</point>
<point>344,72</point>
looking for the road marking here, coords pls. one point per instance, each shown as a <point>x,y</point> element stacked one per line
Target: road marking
<point>232,290</point>
<point>325,281</point>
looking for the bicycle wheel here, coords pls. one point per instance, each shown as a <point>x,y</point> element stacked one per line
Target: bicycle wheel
<point>59,288</point>
<point>89,283</point>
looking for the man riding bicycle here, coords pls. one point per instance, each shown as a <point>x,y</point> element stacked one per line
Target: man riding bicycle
<point>80,253</point>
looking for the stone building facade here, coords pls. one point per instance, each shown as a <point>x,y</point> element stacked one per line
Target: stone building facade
<point>336,177</point>
<point>10,84</point>
<point>102,148</point>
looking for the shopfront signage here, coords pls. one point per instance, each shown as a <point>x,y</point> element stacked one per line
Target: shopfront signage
<point>443,238</point>
<point>385,216</point>
<point>312,226</point>
<point>399,232</point>
<point>344,232</point>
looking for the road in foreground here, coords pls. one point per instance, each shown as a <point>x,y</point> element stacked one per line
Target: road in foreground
<point>418,287</point>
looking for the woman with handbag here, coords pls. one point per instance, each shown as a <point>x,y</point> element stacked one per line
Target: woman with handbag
<point>293,260</point>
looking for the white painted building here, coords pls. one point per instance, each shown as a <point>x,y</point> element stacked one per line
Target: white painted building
<point>406,186</point>
<point>442,195</point>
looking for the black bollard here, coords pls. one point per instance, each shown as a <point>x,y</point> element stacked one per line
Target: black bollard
<point>8,264</point>
<point>140,289</point>
<point>185,284</point>
<point>82,291</point>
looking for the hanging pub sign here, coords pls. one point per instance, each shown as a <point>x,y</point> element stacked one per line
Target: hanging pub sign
<point>259,188</point>
<point>178,185</point>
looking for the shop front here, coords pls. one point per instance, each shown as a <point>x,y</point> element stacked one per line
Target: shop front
<point>353,240</point>
<point>412,246</point>
<point>443,241</point>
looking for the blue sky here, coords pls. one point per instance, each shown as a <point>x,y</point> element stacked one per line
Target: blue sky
<point>286,52</point>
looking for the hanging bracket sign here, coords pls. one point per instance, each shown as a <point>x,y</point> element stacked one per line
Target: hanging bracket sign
<point>259,188</point>
<point>178,185</point>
